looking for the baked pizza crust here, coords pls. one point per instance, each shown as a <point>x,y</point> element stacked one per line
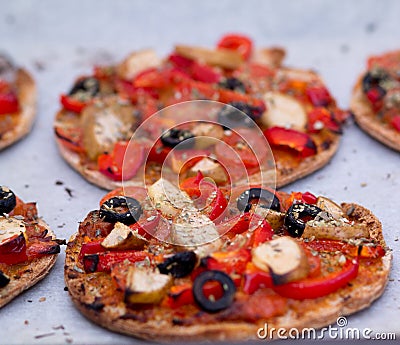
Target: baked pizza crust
<point>34,272</point>
<point>320,312</point>
<point>368,121</point>
<point>27,96</point>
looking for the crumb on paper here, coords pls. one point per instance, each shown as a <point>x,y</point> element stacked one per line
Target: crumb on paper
<point>69,191</point>
<point>39,336</point>
<point>26,322</point>
<point>363,184</point>
<point>59,183</point>
<point>42,299</point>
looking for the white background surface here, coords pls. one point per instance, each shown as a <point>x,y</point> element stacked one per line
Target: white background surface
<point>57,40</point>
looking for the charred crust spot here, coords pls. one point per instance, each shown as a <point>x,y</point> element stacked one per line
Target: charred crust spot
<point>326,144</point>
<point>96,305</point>
<point>132,316</point>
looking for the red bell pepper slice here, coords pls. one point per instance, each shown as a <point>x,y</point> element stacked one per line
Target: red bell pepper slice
<point>355,251</point>
<point>319,118</point>
<point>8,103</point>
<point>198,187</point>
<point>123,163</point>
<point>158,153</point>
<point>71,138</point>
<point>103,262</point>
<point>147,227</point>
<point>72,104</point>
<point>395,122</point>
<point>159,79</point>
<point>311,288</point>
<point>299,142</point>
<point>319,96</point>
<point>13,251</point>
<point>93,247</point>
<point>255,280</point>
<point>263,233</point>
<point>240,43</point>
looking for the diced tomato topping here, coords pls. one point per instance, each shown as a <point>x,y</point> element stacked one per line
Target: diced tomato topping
<point>395,122</point>
<point>123,163</point>
<point>302,143</point>
<point>319,96</point>
<point>8,103</point>
<point>319,118</point>
<point>240,43</point>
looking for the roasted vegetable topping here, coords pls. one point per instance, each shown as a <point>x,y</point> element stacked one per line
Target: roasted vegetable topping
<point>294,217</point>
<point>180,265</point>
<point>86,87</point>
<point>245,199</point>
<point>175,137</point>
<point>7,200</point>
<point>121,209</point>
<point>233,84</point>
<point>209,304</point>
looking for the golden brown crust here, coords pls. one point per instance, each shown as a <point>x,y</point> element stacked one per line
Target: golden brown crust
<point>309,313</point>
<point>35,271</point>
<point>368,121</point>
<point>27,99</point>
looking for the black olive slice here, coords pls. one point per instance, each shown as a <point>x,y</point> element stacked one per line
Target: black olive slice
<point>174,137</point>
<point>233,84</point>
<point>8,201</point>
<point>89,86</point>
<point>111,213</point>
<point>180,265</point>
<point>293,218</point>
<point>231,116</point>
<point>244,199</point>
<point>375,80</point>
<point>4,279</point>
<point>208,304</point>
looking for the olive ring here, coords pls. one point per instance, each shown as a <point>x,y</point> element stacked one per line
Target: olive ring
<point>293,222</point>
<point>8,200</point>
<point>109,212</point>
<point>211,305</point>
<point>173,137</point>
<point>244,199</point>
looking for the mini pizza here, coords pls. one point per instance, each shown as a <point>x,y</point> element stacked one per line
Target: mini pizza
<point>17,102</point>
<point>376,99</point>
<point>292,108</point>
<point>193,263</point>
<point>28,248</point>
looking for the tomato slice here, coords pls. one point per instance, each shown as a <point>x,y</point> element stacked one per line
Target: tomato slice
<point>240,43</point>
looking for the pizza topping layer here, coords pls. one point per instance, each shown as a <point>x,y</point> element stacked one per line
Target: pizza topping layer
<point>263,262</point>
<point>381,87</point>
<point>22,238</point>
<point>293,108</point>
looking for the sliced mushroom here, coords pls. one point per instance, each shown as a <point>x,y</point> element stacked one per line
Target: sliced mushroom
<point>106,123</point>
<point>9,227</point>
<point>224,58</point>
<point>209,168</point>
<point>146,286</point>
<point>168,199</point>
<point>207,134</point>
<point>137,62</point>
<point>283,257</point>
<point>329,206</point>
<point>123,237</point>
<point>342,231</point>
<point>283,111</point>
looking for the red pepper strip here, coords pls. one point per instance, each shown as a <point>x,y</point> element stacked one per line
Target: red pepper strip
<point>180,295</point>
<point>103,262</point>
<point>8,103</point>
<point>227,96</point>
<point>71,138</point>
<point>37,248</point>
<point>311,288</point>
<point>198,187</point>
<point>300,142</point>
<point>229,262</point>
<point>395,122</point>
<point>309,198</point>
<point>158,153</point>
<point>72,104</point>
<point>319,118</point>
<point>256,280</point>
<point>156,79</point>
<point>319,96</point>
<point>346,248</point>
<point>127,90</point>
<point>240,43</point>
<point>13,251</point>
<point>93,247</point>
<point>262,234</point>
<point>123,163</point>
